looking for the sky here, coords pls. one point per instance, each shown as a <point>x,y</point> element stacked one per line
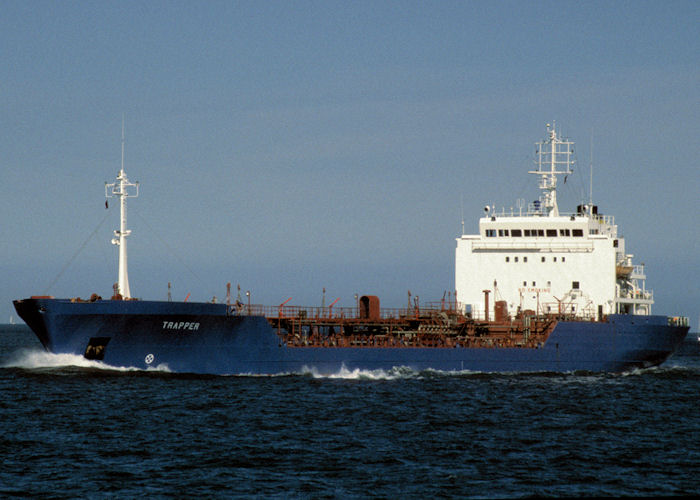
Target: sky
<point>288,147</point>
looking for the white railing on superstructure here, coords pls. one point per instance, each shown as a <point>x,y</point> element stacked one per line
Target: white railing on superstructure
<point>608,220</point>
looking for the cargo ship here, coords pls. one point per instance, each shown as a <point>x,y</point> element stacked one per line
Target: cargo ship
<point>535,290</point>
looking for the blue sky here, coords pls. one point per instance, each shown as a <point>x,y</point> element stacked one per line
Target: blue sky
<point>291,146</point>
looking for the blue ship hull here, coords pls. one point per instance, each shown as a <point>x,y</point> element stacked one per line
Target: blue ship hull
<point>206,338</point>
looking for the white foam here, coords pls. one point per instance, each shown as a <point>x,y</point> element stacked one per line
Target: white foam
<point>359,374</point>
<point>33,359</point>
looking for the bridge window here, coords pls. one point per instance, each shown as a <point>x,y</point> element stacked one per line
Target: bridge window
<point>490,233</point>
<point>577,232</point>
<point>516,233</point>
<point>564,232</point>
<point>551,233</point>
<point>502,232</point>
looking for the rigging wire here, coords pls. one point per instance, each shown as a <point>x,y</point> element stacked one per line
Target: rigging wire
<point>165,243</point>
<point>75,255</point>
<point>92,235</point>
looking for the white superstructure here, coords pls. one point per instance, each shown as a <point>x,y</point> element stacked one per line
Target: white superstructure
<point>542,260</point>
<point>122,189</point>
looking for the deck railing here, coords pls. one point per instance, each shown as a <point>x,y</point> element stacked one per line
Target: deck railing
<point>320,313</point>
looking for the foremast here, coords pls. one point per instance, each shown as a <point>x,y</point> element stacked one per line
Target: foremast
<point>122,189</point>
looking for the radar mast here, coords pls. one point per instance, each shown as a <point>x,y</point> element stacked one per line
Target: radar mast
<point>552,153</point>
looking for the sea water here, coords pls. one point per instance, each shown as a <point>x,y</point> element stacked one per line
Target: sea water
<point>73,428</point>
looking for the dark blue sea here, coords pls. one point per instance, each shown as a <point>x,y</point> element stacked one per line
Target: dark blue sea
<point>77,429</point>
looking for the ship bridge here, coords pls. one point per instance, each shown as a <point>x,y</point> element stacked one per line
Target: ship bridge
<point>538,258</point>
